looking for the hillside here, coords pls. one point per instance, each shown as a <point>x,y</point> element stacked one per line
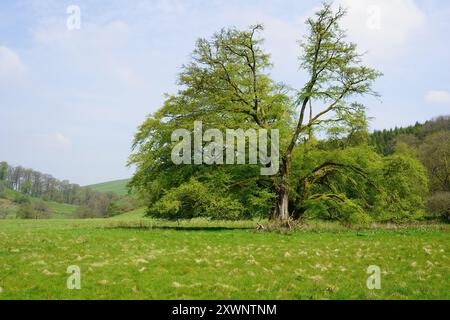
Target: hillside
<point>118,187</point>
<point>384,140</point>
<point>9,206</point>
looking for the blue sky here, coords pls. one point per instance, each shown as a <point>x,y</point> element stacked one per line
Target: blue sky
<point>70,100</point>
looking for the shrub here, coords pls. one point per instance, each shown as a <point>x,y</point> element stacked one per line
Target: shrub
<point>343,210</point>
<point>20,198</point>
<point>404,185</point>
<point>438,205</point>
<point>2,190</point>
<point>123,205</point>
<point>84,212</point>
<point>35,210</point>
<point>4,213</point>
<point>194,199</point>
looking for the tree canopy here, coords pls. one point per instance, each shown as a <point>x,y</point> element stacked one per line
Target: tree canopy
<point>328,169</point>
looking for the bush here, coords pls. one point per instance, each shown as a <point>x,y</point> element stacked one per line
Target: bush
<point>35,210</point>
<point>438,205</point>
<point>123,205</point>
<point>97,206</point>
<point>343,210</point>
<point>2,190</point>
<point>194,199</point>
<point>404,185</point>
<point>4,213</point>
<point>20,198</point>
<point>85,212</point>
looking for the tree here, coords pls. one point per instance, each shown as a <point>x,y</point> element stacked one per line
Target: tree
<point>227,86</point>
<point>439,205</point>
<point>34,210</point>
<point>336,74</point>
<point>434,153</point>
<point>404,185</point>
<point>3,171</point>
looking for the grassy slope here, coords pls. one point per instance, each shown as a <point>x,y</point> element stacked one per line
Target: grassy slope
<point>59,210</point>
<point>137,214</point>
<point>62,210</point>
<point>119,187</point>
<point>120,261</point>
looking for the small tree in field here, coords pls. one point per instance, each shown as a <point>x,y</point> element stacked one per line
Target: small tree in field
<point>34,210</point>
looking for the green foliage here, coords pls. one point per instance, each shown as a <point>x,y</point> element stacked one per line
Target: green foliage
<point>3,171</point>
<point>4,213</point>
<point>2,190</point>
<point>123,205</point>
<point>385,141</point>
<point>434,153</point>
<point>405,186</point>
<point>34,210</point>
<point>356,185</point>
<point>21,198</point>
<point>97,207</point>
<point>438,205</point>
<point>336,208</point>
<point>226,85</point>
<point>195,199</point>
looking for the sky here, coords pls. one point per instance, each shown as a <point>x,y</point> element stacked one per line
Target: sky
<point>73,91</point>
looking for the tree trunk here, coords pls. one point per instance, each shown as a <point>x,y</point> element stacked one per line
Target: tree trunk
<point>282,205</point>
<point>281,209</point>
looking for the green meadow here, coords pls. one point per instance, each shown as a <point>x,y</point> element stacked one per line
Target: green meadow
<point>118,187</point>
<point>130,257</point>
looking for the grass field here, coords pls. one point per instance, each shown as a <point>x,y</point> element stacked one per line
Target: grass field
<point>61,210</point>
<point>119,187</point>
<point>133,258</point>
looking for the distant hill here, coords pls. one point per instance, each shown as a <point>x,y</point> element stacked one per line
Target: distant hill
<point>118,187</point>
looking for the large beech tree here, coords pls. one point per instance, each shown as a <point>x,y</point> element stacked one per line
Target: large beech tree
<point>227,85</point>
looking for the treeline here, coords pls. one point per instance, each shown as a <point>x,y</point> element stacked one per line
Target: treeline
<point>46,187</point>
<point>385,140</point>
<point>32,183</point>
<point>429,143</point>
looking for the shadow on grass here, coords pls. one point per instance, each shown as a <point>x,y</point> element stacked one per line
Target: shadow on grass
<point>179,228</point>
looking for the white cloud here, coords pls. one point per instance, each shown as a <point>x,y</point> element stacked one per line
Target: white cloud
<point>11,66</point>
<point>383,27</point>
<point>55,140</point>
<point>437,97</point>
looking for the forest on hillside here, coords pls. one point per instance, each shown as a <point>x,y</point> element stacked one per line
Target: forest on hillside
<point>31,190</point>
